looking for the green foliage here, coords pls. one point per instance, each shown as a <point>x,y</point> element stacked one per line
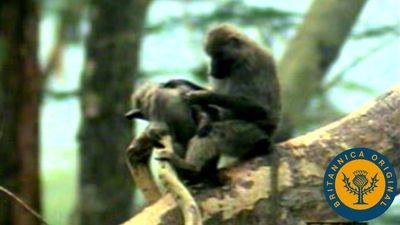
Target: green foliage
<point>378,32</point>
<point>237,12</point>
<point>270,22</point>
<point>339,79</point>
<point>357,87</point>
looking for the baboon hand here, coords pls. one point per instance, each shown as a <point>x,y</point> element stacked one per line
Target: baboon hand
<point>198,97</point>
<point>155,136</point>
<point>163,154</point>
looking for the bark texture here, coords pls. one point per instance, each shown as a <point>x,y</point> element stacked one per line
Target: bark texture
<point>314,48</point>
<point>294,196</point>
<point>105,188</point>
<point>19,110</point>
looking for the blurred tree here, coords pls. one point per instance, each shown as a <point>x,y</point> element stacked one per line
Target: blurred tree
<point>105,189</point>
<point>310,54</point>
<point>69,19</point>
<point>19,109</point>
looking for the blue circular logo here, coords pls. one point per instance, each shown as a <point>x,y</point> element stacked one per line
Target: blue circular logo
<point>360,184</point>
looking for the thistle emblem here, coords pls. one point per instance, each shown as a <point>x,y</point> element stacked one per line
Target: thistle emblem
<point>360,181</point>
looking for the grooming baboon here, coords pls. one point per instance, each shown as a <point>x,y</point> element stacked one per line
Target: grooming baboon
<point>245,88</point>
<point>170,113</point>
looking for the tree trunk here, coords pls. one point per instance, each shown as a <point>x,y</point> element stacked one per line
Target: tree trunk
<point>292,192</point>
<point>111,63</point>
<point>19,109</point>
<point>310,54</point>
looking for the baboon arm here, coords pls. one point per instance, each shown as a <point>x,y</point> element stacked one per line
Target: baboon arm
<point>180,82</point>
<point>177,161</point>
<point>241,106</point>
<point>180,163</point>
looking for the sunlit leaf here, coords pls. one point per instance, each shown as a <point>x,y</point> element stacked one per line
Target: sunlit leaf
<point>359,87</point>
<point>378,32</point>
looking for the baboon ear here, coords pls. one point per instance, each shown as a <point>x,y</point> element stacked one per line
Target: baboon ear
<point>134,114</point>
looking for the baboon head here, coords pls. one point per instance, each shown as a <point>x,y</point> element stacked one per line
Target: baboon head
<point>229,50</point>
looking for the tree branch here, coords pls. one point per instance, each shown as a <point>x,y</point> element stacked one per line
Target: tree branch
<point>312,51</point>
<point>301,164</point>
<point>23,204</point>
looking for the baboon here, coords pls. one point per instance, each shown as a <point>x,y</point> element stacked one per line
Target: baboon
<point>245,89</point>
<point>170,113</point>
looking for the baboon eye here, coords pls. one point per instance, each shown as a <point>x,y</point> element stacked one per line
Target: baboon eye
<point>234,41</point>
